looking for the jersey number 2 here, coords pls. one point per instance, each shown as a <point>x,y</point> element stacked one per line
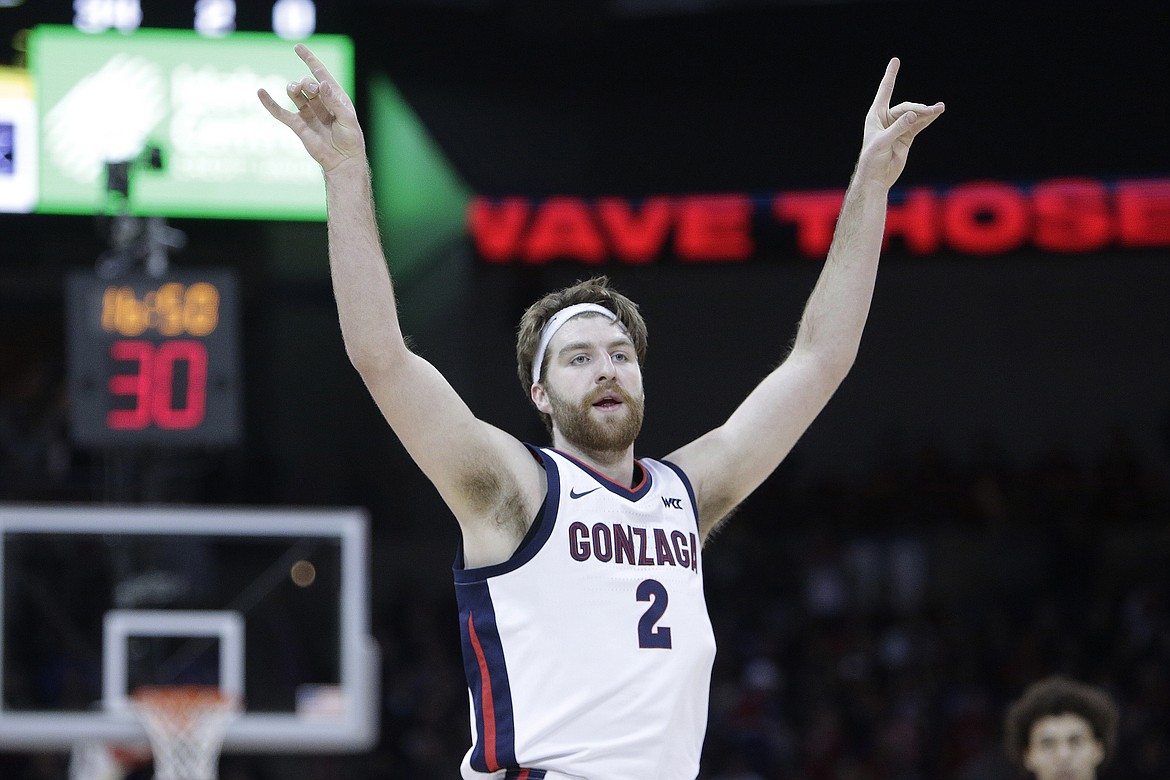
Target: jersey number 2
<point>650,634</point>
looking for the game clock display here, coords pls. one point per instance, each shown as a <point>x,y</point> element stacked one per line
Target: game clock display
<point>154,361</point>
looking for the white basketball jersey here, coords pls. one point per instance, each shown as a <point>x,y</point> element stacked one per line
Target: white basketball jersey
<point>588,653</point>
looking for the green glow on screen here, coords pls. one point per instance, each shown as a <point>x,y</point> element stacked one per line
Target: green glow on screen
<point>110,96</point>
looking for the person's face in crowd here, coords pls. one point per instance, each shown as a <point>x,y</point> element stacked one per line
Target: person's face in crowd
<point>593,385</point>
<point>1063,747</point>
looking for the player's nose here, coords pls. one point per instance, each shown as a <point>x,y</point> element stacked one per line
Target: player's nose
<point>606,369</point>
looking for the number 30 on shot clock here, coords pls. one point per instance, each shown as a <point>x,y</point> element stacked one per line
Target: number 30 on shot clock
<point>154,360</point>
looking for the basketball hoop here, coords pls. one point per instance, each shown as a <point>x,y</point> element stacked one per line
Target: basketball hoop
<point>186,725</point>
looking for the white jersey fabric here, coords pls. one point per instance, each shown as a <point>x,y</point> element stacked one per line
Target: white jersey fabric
<point>588,653</point>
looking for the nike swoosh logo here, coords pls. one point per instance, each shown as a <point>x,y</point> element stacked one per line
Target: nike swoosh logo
<point>575,494</point>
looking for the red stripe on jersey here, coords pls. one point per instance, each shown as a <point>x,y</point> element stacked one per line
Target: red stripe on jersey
<point>489,710</point>
<point>523,775</point>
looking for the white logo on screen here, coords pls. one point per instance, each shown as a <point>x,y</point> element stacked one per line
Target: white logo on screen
<point>107,116</point>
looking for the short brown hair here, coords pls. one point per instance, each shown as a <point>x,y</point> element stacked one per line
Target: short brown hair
<point>1059,696</point>
<point>593,290</point>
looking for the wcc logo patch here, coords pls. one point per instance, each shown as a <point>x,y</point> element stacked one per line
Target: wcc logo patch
<point>672,503</point>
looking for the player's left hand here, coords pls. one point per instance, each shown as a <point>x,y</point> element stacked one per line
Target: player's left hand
<point>890,131</point>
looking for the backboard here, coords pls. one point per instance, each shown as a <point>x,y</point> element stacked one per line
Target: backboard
<point>271,605</point>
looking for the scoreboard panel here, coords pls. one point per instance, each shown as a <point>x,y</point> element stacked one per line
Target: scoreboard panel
<point>154,360</point>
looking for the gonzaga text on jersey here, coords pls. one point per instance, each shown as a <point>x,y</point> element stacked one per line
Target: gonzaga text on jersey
<point>633,546</point>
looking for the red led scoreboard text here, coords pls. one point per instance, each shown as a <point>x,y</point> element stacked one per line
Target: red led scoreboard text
<point>154,360</point>
<point>1067,215</point>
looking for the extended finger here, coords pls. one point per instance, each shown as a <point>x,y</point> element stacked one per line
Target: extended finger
<point>278,111</point>
<point>316,67</point>
<point>881,100</point>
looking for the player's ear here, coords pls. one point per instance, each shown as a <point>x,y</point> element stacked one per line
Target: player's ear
<point>540,398</point>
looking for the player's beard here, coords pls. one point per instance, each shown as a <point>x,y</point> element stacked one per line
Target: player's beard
<point>612,434</point>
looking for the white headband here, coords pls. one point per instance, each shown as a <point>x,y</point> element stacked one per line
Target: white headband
<point>554,324</point>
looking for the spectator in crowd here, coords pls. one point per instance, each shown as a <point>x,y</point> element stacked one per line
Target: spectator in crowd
<point>1060,729</point>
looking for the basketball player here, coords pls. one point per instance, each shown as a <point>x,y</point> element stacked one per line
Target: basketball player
<point>587,644</point>
<point>1060,729</point>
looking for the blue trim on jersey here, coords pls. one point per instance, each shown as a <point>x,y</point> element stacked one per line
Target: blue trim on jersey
<point>690,490</point>
<point>538,533</point>
<point>618,489</point>
<point>475,606</point>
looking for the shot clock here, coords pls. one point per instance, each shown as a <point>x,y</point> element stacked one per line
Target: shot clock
<point>154,360</point>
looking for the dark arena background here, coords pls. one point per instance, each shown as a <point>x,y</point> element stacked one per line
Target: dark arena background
<point>983,503</point>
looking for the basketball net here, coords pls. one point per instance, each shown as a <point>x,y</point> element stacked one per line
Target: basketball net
<point>186,725</point>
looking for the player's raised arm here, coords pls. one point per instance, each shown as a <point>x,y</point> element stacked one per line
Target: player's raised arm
<point>729,462</point>
<point>479,470</point>
<point>327,125</point>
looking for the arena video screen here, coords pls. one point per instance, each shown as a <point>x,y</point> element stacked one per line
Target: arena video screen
<point>181,110</point>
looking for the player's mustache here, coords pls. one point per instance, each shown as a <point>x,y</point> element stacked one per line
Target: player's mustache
<point>611,389</point>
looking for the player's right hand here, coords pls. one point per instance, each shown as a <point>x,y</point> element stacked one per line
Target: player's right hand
<point>325,119</point>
